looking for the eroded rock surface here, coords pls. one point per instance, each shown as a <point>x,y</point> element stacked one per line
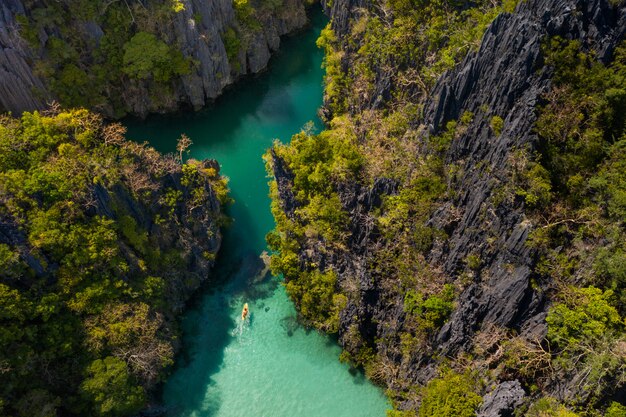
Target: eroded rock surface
<point>505,77</point>
<point>197,31</point>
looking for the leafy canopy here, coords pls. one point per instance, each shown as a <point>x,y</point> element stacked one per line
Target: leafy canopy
<point>146,56</point>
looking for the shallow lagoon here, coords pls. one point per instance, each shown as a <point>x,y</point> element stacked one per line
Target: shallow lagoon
<point>268,366</point>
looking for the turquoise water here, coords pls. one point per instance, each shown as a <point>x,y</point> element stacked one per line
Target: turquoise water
<point>267,366</point>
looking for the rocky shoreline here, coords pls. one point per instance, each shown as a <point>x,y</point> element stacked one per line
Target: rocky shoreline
<point>485,253</point>
<point>197,30</point>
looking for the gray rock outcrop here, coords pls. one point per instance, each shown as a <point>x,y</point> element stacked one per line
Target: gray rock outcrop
<point>20,88</point>
<point>197,31</point>
<point>502,401</point>
<point>505,77</point>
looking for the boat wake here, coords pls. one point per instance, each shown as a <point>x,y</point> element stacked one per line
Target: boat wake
<point>242,325</point>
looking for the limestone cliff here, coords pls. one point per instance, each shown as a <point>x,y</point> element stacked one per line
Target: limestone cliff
<point>19,87</point>
<point>481,243</point>
<point>66,49</point>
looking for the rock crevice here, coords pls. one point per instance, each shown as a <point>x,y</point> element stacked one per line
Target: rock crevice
<point>506,77</point>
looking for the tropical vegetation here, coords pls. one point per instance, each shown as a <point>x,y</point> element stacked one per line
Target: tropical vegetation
<point>572,189</point>
<point>97,239</point>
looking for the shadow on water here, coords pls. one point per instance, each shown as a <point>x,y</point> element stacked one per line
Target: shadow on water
<point>168,128</point>
<point>209,353</point>
<point>260,96</point>
<point>208,327</point>
<point>236,129</point>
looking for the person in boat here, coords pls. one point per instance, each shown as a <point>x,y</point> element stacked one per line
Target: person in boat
<point>244,312</point>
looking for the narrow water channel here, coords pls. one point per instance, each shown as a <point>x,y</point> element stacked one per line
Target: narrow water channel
<point>268,366</point>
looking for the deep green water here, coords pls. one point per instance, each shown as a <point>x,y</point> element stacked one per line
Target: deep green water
<point>268,366</point>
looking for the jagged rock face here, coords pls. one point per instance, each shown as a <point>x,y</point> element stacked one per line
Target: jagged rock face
<point>506,77</point>
<point>197,32</point>
<point>342,11</point>
<point>502,401</point>
<point>20,89</point>
<point>284,177</point>
<point>202,41</point>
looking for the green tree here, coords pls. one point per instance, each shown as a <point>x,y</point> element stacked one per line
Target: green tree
<point>587,314</point>
<point>232,44</point>
<point>111,389</point>
<point>451,394</point>
<point>549,407</point>
<point>496,124</point>
<point>615,410</point>
<point>146,56</point>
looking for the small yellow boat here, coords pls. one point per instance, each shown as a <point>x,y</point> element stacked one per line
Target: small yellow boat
<point>244,312</point>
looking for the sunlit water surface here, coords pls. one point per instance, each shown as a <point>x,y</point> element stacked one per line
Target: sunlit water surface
<point>267,366</point>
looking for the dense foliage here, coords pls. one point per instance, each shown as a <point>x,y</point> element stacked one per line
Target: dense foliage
<point>571,189</point>
<point>145,56</point>
<point>316,161</point>
<point>408,43</point>
<point>95,53</point>
<point>96,237</point>
<point>451,394</point>
<point>392,57</point>
<point>580,217</point>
